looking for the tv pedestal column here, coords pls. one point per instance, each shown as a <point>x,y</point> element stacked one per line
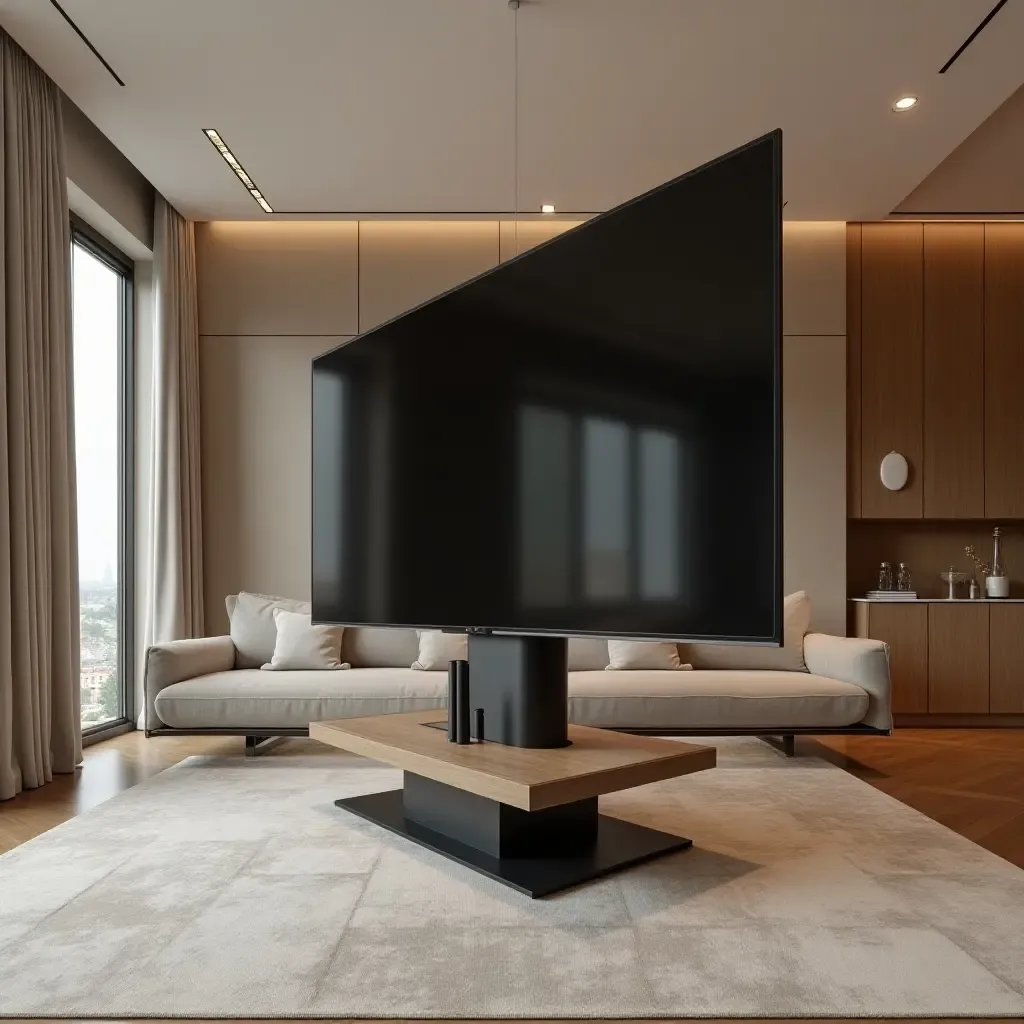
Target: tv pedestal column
<point>524,814</point>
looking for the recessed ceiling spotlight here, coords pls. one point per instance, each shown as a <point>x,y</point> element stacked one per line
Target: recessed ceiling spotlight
<point>547,208</point>
<point>904,103</point>
<point>229,159</point>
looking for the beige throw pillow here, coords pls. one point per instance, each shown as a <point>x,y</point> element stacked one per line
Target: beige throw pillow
<point>377,647</point>
<point>252,626</point>
<point>437,649</point>
<point>301,645</point>
<point>629,655</point>
<point>587,654</point>
<point>796,620</point>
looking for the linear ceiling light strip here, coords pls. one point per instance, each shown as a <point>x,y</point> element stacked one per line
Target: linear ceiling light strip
<point>85,39</point>
<point>974,35</point>
<point>229,159</point>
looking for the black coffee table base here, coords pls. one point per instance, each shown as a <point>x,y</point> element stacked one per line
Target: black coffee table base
<point>536,853</point>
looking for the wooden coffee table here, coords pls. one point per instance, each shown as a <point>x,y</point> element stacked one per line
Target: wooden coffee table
<point>526,817</point>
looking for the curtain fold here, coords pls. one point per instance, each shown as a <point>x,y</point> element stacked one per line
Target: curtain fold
<point>40,731</point>
<point>173,566</point>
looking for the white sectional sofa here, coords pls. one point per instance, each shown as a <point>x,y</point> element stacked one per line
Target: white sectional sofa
<point>198,686</point>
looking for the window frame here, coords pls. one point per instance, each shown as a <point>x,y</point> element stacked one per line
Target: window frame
<point>95,244</point>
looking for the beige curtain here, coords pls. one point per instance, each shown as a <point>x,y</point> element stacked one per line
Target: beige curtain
<point>174,563</point>
<point>39,703</point>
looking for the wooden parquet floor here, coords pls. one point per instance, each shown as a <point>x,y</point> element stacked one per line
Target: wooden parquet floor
<point>971,780</point>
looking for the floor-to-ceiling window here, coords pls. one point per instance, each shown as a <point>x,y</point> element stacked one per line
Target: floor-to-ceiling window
<point>102,339</point>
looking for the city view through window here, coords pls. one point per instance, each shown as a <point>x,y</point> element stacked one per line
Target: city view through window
<point>96,327</point>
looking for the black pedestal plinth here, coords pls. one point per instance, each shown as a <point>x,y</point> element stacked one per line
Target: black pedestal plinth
<point>552,850</point>
<point>522,684</point>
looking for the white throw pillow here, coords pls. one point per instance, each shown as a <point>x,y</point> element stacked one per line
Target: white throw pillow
<point>796,620</point>
<point>437,649</point>
<point>252,627</point>
<point>301,645</point>
<point>624,655</point>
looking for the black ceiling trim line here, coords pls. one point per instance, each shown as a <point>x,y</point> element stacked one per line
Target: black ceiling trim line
<point>974,35</point>
<point>85,39</point>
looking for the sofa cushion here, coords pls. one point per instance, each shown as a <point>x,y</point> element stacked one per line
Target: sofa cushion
<point>372,647</point>
<point>437,649</point>
<point>796,621</point>
<point>713,700</point>
<point>249,698</point>
<point>252,627</point>
<point>301,645</point>
<point>624,655</point>
<point>586,653</point>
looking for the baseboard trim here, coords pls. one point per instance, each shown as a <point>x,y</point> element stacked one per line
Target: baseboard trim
<point>959,721</point>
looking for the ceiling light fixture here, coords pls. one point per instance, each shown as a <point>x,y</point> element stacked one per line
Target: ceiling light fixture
<point>547,208</point>
<point>904,103</point>
<point>229,159</point>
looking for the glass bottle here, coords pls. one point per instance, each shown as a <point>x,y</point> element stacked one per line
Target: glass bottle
<point>903,578</point>
<point>885,576</point>
<point>997,584</point>
<point>997,557</point>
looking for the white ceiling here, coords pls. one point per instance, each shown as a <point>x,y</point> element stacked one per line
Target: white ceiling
<point>406,106</point>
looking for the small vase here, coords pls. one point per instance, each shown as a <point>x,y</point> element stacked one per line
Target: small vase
<point>997,586</point>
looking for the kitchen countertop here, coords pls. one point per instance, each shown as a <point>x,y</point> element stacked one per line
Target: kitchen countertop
<point>940,600</point>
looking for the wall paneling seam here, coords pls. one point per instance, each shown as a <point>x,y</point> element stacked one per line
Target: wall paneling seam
<point>984,386</point>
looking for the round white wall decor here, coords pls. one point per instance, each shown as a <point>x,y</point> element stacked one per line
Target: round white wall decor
<point>894,471</point>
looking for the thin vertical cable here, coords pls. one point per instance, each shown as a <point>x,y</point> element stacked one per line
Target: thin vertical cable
<point>515,126</point>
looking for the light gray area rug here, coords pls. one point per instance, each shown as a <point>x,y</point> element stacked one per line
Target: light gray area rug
<point>234,888</point>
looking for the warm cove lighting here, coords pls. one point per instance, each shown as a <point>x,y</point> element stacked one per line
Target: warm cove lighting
<point>229,159</point>
<point>547,208</point>
<point>904,103</point>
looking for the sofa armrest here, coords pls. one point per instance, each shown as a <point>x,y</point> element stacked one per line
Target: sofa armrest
<point>177,660</point>
<point>865,663</point>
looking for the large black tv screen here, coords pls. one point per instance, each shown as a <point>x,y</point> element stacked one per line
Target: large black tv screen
<point>585,440</point>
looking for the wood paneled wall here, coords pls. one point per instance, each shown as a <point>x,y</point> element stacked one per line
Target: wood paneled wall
<point>273,295</point>
<point>954,371</point>
<point>935,318</point>
<point>892,348</point>
<point>1004,370</point>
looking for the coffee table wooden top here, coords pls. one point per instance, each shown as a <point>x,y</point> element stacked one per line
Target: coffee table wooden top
<point>597,762</point>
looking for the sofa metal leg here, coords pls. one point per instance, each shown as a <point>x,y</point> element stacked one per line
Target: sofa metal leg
<point>785,742</point>
<point>260,744</point>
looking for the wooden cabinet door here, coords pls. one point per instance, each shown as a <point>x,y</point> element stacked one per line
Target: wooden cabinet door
<point>892,365</point>
<point>958,659</point>
<point>904,627</point>
<point>1006,670</point>
<point>1004,371</point>
<point>954,371</point>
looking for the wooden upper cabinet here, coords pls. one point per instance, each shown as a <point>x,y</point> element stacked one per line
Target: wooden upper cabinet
<point>892,364</point>
<point>1004,370</point>
<point>954,371</point>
